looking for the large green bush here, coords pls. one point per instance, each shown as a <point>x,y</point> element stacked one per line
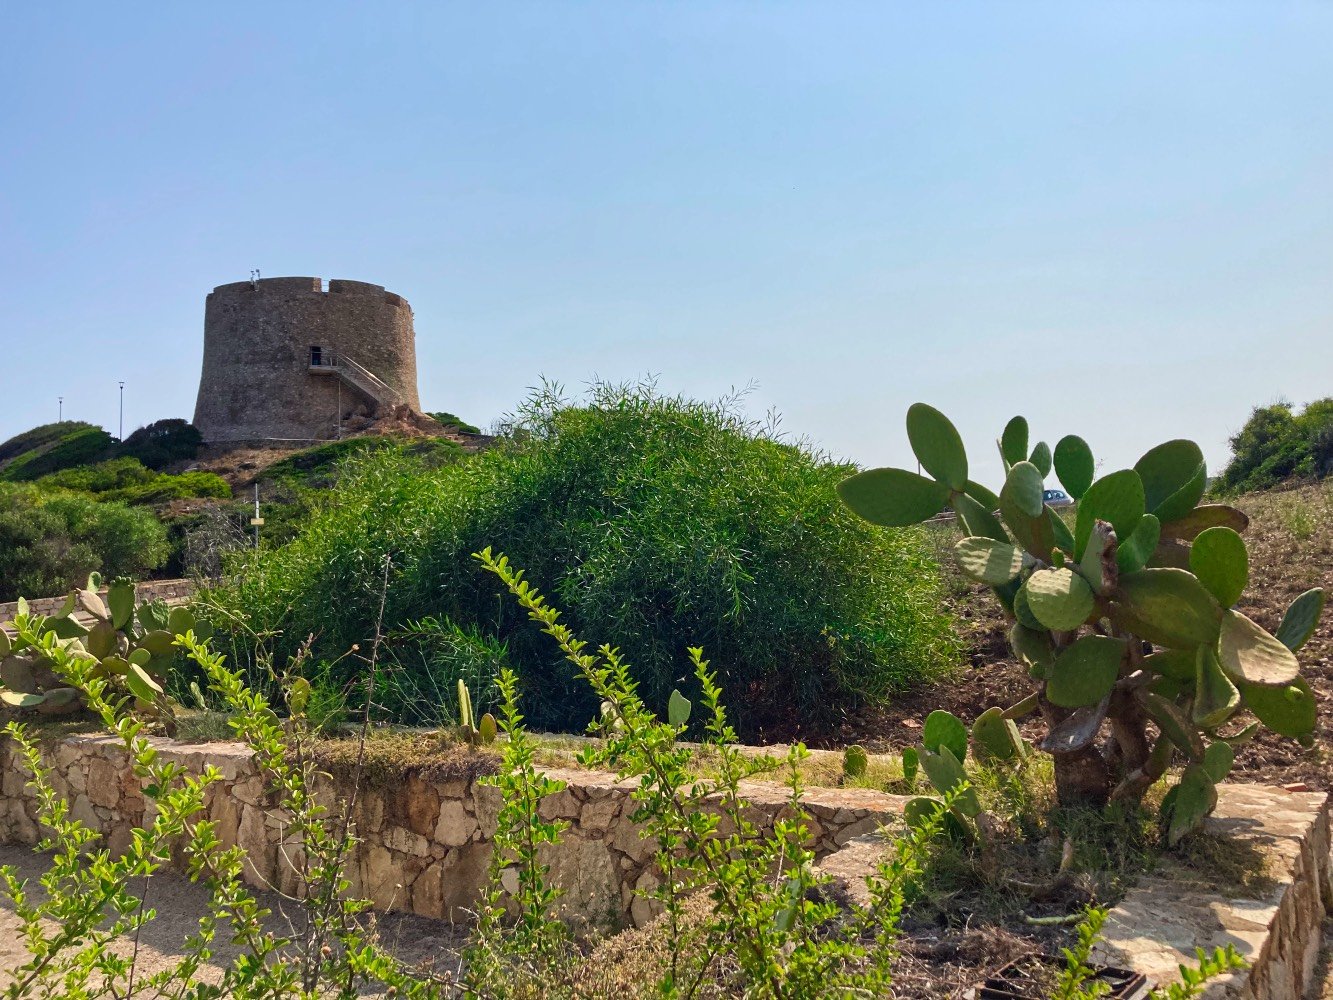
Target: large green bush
<point>1278,444</point>
<point>162,442</point>
<point>50,541</point>
<point>659,522</point>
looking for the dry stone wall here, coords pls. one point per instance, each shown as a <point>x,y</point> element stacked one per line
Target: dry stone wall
<point>425,844</point>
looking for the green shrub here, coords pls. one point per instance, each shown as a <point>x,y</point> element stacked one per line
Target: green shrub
<point>164,488</point>
<point>49,542</point>
<point>318,467</point>
<point>162,442</point>
<point>113,474</point>
<point>660,521</point>
<point>1277,444</point>
<point>53,447</point>
<point>450,420</point>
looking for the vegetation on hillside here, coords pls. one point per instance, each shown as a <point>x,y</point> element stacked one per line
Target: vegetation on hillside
<point>656,520</point>
<point>49,541</point>
<point>1278,444</point>
<point>52,447</point>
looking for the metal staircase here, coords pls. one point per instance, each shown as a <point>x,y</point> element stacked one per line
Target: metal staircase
<point>356,376</point>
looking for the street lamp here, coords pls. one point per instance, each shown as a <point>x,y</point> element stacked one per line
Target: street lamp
<point>60,418</point>
<point>121,435</point>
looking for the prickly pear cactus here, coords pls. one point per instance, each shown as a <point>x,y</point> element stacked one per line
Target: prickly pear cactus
<point>476,732</point>
<point>1126,621</point>
<point>131,645</point>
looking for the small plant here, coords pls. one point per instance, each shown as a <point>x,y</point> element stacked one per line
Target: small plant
<point>130,645</point>
<point>478,733</point>
<point>1127,619</point>
<point>854,761</point>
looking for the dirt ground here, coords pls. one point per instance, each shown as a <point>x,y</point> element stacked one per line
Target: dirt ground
<point>180,903</point>
<point>1290,540</point>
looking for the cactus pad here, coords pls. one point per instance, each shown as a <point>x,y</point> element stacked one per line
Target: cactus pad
<point>989,561</point>
<point>1250,655</point>
<point>1059,599</point>
<point>1074,465</point>
<point>1219,559</point>
<point>937,445</point>
<point>1169,607</point>
<point>1301,619</point>
<point>1085,672</point>
<point>894,498</point>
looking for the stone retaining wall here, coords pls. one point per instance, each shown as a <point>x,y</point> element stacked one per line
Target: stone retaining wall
<point>425,844</point>
<point>171,591</point>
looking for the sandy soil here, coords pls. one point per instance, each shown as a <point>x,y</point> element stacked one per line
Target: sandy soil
<point>179,905</point>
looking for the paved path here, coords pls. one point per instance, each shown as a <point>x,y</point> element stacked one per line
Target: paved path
<point>180,903</point>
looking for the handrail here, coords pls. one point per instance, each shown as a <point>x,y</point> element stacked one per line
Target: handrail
<point>359,377</point>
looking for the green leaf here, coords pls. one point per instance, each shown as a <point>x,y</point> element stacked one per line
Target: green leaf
<point>1023,610</point>
<point>1117,498</point>
<point>988,561</point>
<point>1168,607</point>
<point>1074,465</point>
<point>1219,559</point>
<point>1023,510</point>
<point>1085,672</point>
<point>91,603</point>
<point>1205,516</point>
<point>911,763</point>
<point>894,498</point>
<point>487,729</point>
<point>937,445</point>
<point>154,616</point>
<point>1249,654</point>
<point>1041,458</point>
<point>159,642</point>
<point>977,519</point>
<point>996,738</point>
<point>1181,664</point>
<point>1133,552</point>
<point>1215,697</point>
<point>1060,599</point>
<point>678,709</point>
<point>5,644</point>
<point>298,695</point>
<point>946,773</point>
<point>141,685</point>
<point>982,495</point>
<point>1174,477</point>
<point>1301,619</point>
<point>1288,711</point>
<point>180,620</point>
<point>1195,798</point>
<point>1173,724</point>
<point>21,699</point>
<point>1014,442</point>
<point>854,761</point>
<point>1023,488</point>
<point>1217,760</point>
<point>120,598</point>
<point>944,729</point>
<point>1033,646</point>
<point>1060,532</point>
<point>922,809</point>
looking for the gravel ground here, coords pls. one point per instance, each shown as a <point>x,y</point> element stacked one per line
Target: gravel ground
<point>179,905</point>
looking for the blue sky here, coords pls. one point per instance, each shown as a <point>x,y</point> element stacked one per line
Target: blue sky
<point>1116,219</point>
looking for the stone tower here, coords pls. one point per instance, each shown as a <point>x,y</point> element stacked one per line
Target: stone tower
<point>287,361</point>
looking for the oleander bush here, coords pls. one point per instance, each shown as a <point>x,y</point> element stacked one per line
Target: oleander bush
<point>664,521</point>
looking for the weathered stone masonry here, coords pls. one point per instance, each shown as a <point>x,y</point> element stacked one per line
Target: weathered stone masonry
<point>257,384</point>
<point>425,845</point>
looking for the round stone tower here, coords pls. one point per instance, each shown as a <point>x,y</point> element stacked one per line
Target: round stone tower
<point>287,361</point>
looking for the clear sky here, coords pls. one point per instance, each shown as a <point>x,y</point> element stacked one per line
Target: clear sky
<point>1114,218</point>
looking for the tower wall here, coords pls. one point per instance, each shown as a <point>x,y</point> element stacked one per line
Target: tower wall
<point>256,382</point>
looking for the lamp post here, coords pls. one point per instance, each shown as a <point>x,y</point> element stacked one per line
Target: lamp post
<point>121,435</point>
<point>60,413</point>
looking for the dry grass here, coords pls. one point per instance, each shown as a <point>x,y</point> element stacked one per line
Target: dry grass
<point>391,757</point>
